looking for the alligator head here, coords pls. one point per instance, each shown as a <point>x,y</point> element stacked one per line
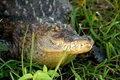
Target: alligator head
<point>54,41</point>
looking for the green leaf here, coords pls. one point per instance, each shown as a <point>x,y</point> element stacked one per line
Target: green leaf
<point>26,76</point>
<point>3,47</point>
<point>45,69</point>
<point>39,75</point>
<point>50,72</point>
<point>0,20</point>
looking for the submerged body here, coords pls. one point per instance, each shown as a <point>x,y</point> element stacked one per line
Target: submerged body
<point>48,19</point>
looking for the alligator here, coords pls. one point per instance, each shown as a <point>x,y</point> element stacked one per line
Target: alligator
<point>49,21</point>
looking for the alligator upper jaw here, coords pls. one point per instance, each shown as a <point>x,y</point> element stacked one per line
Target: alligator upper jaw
<point>80,45</point>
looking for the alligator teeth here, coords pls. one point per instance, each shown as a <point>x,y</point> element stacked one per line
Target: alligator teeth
<point>58,44</point>
<point>66,47</point>
<point>79,46</point>
<point>89,45</point>
<point>74,45</point>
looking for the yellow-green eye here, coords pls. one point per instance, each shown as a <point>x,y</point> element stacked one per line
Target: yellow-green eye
<point>57,28</point>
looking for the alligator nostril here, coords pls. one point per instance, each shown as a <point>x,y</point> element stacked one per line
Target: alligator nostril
<point>87,38</point>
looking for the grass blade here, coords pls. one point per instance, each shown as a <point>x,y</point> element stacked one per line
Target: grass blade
<point>76,75</point>
<point>22,55</point>
<point>31,52</point>
<point>110,26</point>
<point>60,61</point>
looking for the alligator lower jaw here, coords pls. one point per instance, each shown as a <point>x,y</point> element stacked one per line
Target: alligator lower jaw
<point>51,59</point>
<point>50,55</point>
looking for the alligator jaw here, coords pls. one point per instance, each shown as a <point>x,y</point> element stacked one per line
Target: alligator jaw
<point>49,51</point>
<point>75,47</point>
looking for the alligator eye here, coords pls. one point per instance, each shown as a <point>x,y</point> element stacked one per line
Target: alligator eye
<point>57,28</point>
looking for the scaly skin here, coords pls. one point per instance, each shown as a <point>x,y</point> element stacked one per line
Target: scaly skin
<point>49,21</point>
